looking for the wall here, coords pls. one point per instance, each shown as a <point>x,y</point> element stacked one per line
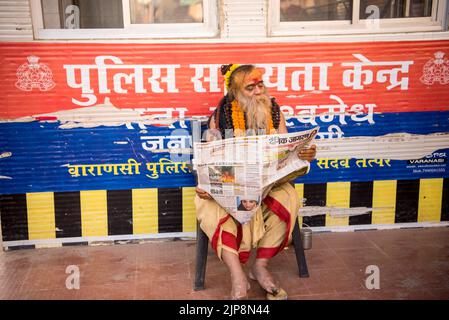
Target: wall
<point>91,162</point>
<point>15,20</point>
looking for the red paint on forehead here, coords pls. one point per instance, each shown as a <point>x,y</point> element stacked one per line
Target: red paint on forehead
<point>256,80</point>
<point>254,77</point>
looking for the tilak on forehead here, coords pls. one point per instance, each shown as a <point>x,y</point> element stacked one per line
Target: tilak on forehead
<point>254,77</point>
<point>245,79</point>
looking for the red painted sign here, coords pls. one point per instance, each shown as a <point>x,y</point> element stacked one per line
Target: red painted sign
<point>39,79</point>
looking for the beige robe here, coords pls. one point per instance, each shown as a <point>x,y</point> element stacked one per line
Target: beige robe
<point>269,230</point>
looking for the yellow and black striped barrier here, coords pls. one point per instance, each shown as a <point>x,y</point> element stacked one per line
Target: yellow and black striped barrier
<point>80,216</point>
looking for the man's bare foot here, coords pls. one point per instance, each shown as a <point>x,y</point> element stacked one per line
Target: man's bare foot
<point>239,282</point>
<point>260,273</point>
<point>240,286</point>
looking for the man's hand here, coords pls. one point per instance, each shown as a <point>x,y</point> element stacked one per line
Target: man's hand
<point>202,194</point>
<point>308,154</point>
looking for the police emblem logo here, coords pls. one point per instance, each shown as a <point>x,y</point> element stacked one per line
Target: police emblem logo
<point>436,70</point>
<point>34,75</point>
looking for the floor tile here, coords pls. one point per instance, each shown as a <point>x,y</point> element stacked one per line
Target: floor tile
<point>412,264</point>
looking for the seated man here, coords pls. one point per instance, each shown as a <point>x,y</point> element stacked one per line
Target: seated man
<point>248,106</point>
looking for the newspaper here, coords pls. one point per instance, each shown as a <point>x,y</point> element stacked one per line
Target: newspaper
<point>239,172</point>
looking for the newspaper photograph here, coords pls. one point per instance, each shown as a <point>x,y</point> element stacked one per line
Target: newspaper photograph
<point>239,172</point>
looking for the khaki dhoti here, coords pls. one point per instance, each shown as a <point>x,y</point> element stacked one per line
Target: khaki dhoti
<point>269,230</point>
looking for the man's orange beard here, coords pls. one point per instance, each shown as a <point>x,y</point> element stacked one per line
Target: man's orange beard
<point>257,108</point>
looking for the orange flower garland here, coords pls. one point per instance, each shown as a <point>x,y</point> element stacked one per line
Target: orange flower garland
<point>238,120</point>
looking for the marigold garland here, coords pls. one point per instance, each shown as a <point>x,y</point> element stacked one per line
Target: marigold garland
<point>238,119</point>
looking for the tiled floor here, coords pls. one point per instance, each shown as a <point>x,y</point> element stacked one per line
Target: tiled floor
<point>413,264</point>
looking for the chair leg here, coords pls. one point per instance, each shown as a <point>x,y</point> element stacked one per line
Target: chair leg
<point>299,251</point>
<point>202,243</point>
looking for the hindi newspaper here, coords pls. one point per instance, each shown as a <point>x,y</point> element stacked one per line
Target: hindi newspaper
<point>239,172</point>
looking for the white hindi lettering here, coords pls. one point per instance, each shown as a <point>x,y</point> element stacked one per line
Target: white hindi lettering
<point>158,117</point>
<point>332,110</point>
<point>83,73</point>
<point>326,113</point>
<point>301,74</point>
<point>152,143</point>
<point>333,131</point>
<point>173,142</point>
<point>212,79</point>
<point>358,77</point>
<point>179,142</point>
<point>169,79</point>
<point>166,115</point>
<point>84,84</point>
<point>279,84</point>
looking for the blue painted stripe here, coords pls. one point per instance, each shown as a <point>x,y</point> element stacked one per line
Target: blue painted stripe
<point>40,152</point>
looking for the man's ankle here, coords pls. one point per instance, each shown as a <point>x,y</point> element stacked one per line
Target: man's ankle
<point>261,263</point>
